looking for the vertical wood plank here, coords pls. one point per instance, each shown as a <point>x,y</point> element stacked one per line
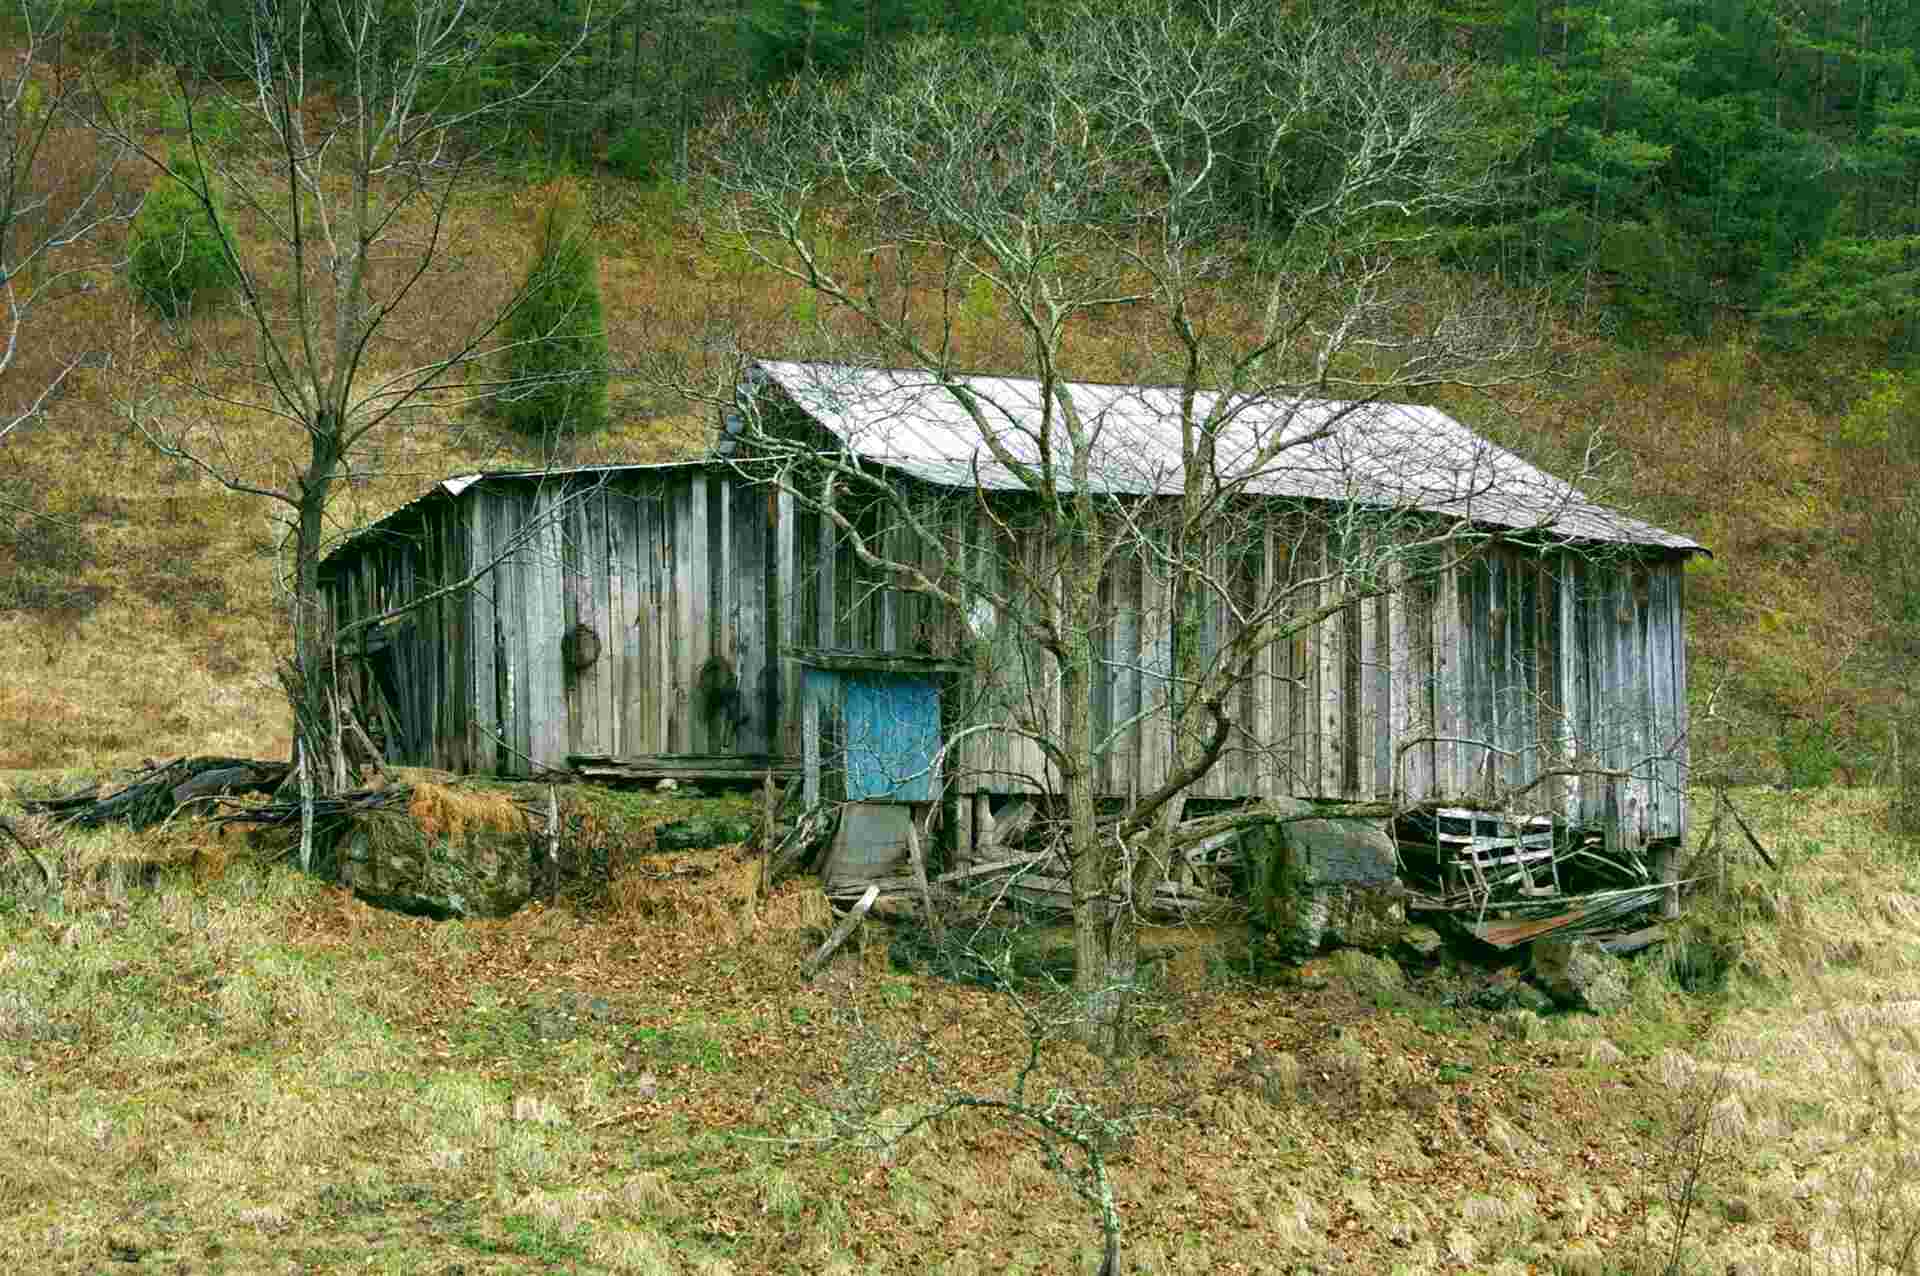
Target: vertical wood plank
<point>748,517</point>
<point>1617,625</point>
<point>1495,623</point>
<point>1402,722</point>
<point>516,507</point>
<point>688,527</point>
<point>826,582</point>
<point>1447,690</point>
<point>1330,640</point>
<point>1104,679</point>
<point>662,664</point>
<point>720,595</point>
<point>846,594</point>
<point>810,759</point>
<point>643,735</point>
<point>1571,666</point>
<point>576,569</point>
<point>1522,615</point>
<point>1657,677</point>
<point>1265,720</point>
<point>1124,773</point>
<point>603,586</point>
<point>622,634</point>
<point>887,601</point>
<point>546,697</point>
<point>455,660</point>
<point>1365,728</point>
<point>1303,687</point>
<point>1677,602</point>
<point>1641,692</point>
<point>1550,723</point>
<point>790,583</point>
<point>702,737</point>
<point>1380,734</point>
<point>477,503</point>
<point>1423,768</point>
<point>1156,652</point>
<point>1597,626</point>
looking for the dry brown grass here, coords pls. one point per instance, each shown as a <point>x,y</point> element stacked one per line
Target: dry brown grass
<point>444,812</point>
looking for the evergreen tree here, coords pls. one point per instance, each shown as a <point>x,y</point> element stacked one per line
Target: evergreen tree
<point>178,248</point>
<point>557,352</point>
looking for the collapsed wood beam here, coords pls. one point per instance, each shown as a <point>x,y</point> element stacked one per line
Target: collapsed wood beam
<point>855,915</point>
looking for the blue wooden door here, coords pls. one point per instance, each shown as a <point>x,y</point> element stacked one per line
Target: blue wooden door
<point>892,724</point>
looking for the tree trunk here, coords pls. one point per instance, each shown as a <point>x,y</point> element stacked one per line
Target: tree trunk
<point>1105,940</point>
<point>312,636</point>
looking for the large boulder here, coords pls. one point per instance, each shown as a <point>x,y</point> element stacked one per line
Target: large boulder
<point>1580,974</point>
<point>474,871</point>
<point>1329,882</point>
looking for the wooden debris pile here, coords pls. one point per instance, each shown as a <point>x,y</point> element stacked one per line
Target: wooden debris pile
<point>1509,879</point>
<point>151,795</point>
<point>1025,864</point>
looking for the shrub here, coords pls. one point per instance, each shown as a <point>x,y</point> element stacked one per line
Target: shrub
<point>641,154</point>
<point>557,354</point>
<point>178,251</point>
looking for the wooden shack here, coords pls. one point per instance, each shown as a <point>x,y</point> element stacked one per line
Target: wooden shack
<point>695,619</point>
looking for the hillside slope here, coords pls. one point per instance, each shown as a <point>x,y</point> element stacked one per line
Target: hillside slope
<point>143,619</point>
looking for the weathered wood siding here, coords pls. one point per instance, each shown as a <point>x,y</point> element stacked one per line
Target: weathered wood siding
<point>409,673</point>
<point>668,567</point>
<point>706,592</point>
<point>1449,688</point>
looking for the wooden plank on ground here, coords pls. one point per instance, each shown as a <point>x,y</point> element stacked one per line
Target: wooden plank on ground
<point>847,925</point>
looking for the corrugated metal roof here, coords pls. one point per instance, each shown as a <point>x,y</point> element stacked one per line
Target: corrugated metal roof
<point>1386,454</point>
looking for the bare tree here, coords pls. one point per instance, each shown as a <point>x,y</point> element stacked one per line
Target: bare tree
<point>349,146</point>
<point>58,186</point>
<point>1116,167</point>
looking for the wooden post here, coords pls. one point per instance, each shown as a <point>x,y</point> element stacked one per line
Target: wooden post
<point>919,863</point>
<point>339,731</point>
<point>553,844</point>
<point>302,758</point>
<point>766,810</point>
<point>982,826</point>
<point>811,966</point>
<point>962,831</point>
<point>1666,868</point>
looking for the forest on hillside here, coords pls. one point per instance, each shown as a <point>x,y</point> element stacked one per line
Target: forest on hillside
<point>1689,159</point>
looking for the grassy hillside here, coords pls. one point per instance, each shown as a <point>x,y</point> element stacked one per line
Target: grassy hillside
<point>240,1067</point>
